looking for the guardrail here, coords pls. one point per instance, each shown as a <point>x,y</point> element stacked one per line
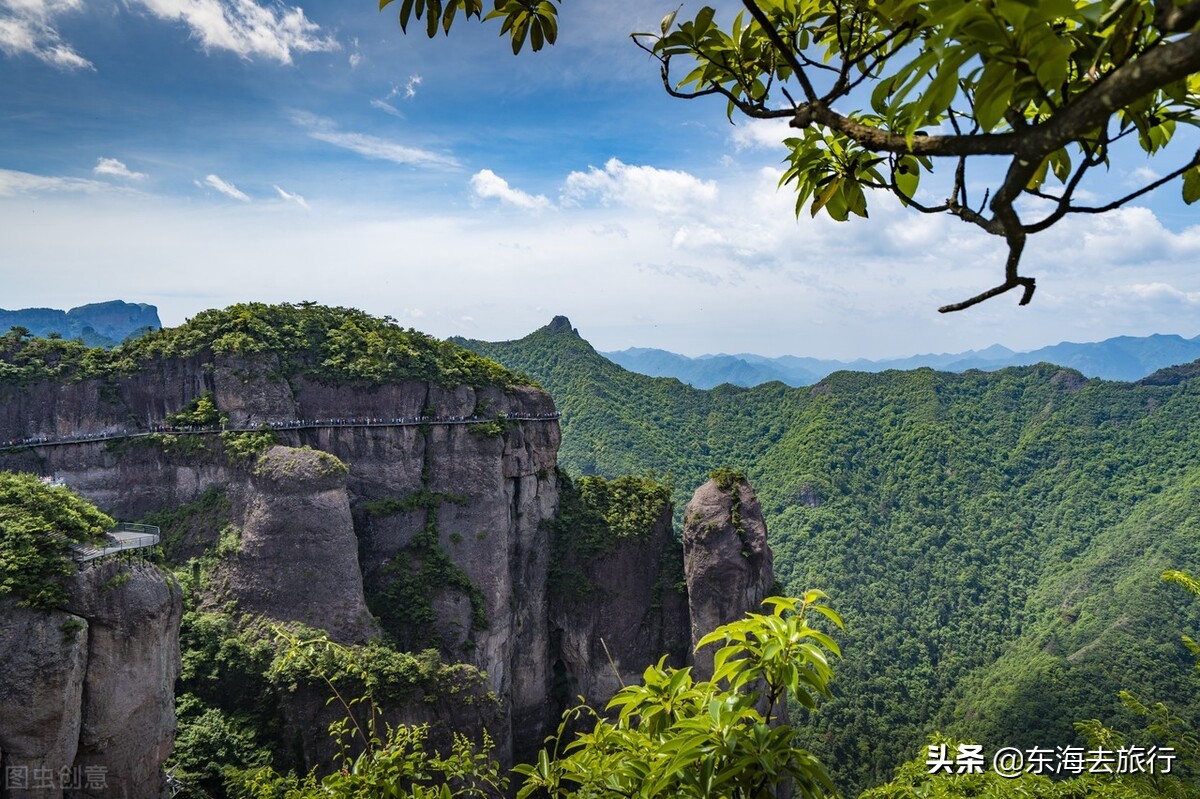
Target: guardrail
<point>125,537</point>
<point>291,424</point>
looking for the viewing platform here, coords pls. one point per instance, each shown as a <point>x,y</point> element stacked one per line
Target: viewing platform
<point>125,537</point>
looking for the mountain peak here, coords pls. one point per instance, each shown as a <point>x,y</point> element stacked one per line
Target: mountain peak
<point>561,324</point>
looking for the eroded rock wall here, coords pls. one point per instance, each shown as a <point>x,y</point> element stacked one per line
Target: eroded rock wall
<point>627,611</point>
<point>87,692</point>
<point>296,556</point>
<point>726,559</point>
<point>500,485</point>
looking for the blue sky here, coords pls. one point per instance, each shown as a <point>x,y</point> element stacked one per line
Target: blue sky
<point>196,153</point>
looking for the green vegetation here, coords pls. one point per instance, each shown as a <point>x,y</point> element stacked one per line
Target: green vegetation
<point>375,758</point>
<point>337,345</point>
<point>402,592</point>
<point>245,447</point>
<point>496,428</point>
<point>631,506</point>
<point>200,412</point>
<point>1156,730</point>
<point>593,515</point>
<point>25,358</point>
<point>238,673</point>
<point>188,526</point>
<point>991,539</point>
<point>38,524</point>
<point>670,736</point>
<point>680,737</point>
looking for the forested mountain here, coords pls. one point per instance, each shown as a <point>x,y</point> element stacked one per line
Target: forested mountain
<point>1120,358</point>
<point>993,540</point>
<point>100,324</point>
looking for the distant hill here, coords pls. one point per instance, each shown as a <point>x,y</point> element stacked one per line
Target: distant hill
<point>1125,358</point>
<point>994,540</point>
<point>100,324</point>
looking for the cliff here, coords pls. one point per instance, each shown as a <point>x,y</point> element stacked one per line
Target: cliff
<point>446,519</point>
<point>618,605</point>
<point>87,691</point>
<point>296,555</point>
<point>417,508</point>
<point>726,557</point>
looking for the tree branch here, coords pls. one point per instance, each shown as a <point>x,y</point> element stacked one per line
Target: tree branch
<point>1170,18</point>
<point>1086,111</point>
<point>788,53</point>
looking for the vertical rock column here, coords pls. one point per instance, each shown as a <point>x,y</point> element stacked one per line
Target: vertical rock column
<point>297,559</point>
<point>726,559</point>
<point>128,707</point>
<point>43,659</point>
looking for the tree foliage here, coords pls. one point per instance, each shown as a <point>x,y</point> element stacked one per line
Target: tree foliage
<point>674,736</point>
<point>38,524</point>
<point>991,538</point>
<point>882,92</point>
<point>671,736</point>
<point>338,345</point>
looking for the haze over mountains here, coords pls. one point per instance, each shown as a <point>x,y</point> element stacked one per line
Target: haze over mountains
<point>98,324</point>
<point>1125,358</point>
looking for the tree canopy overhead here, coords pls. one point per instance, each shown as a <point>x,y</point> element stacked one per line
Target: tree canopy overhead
<point>882,91</point>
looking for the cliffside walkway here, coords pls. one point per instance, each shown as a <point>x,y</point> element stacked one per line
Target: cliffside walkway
<point>261,427</point>
<point>125,537</point>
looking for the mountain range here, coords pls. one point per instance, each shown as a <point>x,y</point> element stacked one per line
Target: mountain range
<point>1119,358</point>
<point>994,540</point>
<point>99,324</point>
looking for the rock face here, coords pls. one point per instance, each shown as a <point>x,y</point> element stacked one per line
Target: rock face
<point>726,558</point>
<point>487,490</point>
<point>633,611</point>
<point>438,529</point>
<point>43,659</point>
<point>297,557</point>
<point>87,693</point>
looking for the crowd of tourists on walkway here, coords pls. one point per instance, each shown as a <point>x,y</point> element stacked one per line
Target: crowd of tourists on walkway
<point>291,424</point>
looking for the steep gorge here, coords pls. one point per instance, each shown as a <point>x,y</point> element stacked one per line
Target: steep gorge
<point>421,510</point>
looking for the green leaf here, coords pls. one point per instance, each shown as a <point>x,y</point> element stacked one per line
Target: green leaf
<point>907,177</point>
<point>1191,185</point>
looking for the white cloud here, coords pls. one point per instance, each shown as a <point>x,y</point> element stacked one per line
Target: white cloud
<point>295,198</point>
<point>116,169</point>
<point>410,88</point>
<point>355,59</point>
<point>761,134</point>
<point>245,28</point>
<point>370,146</point>
<point>386,107</point>
<point>697,236</point>
<point>1157,292</point>
<point>226,188</point>
<point>27,28</point>
<point>487,184</point>
<point>665,191</point>
<point>1141,176</point>
<point>13,182</point>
